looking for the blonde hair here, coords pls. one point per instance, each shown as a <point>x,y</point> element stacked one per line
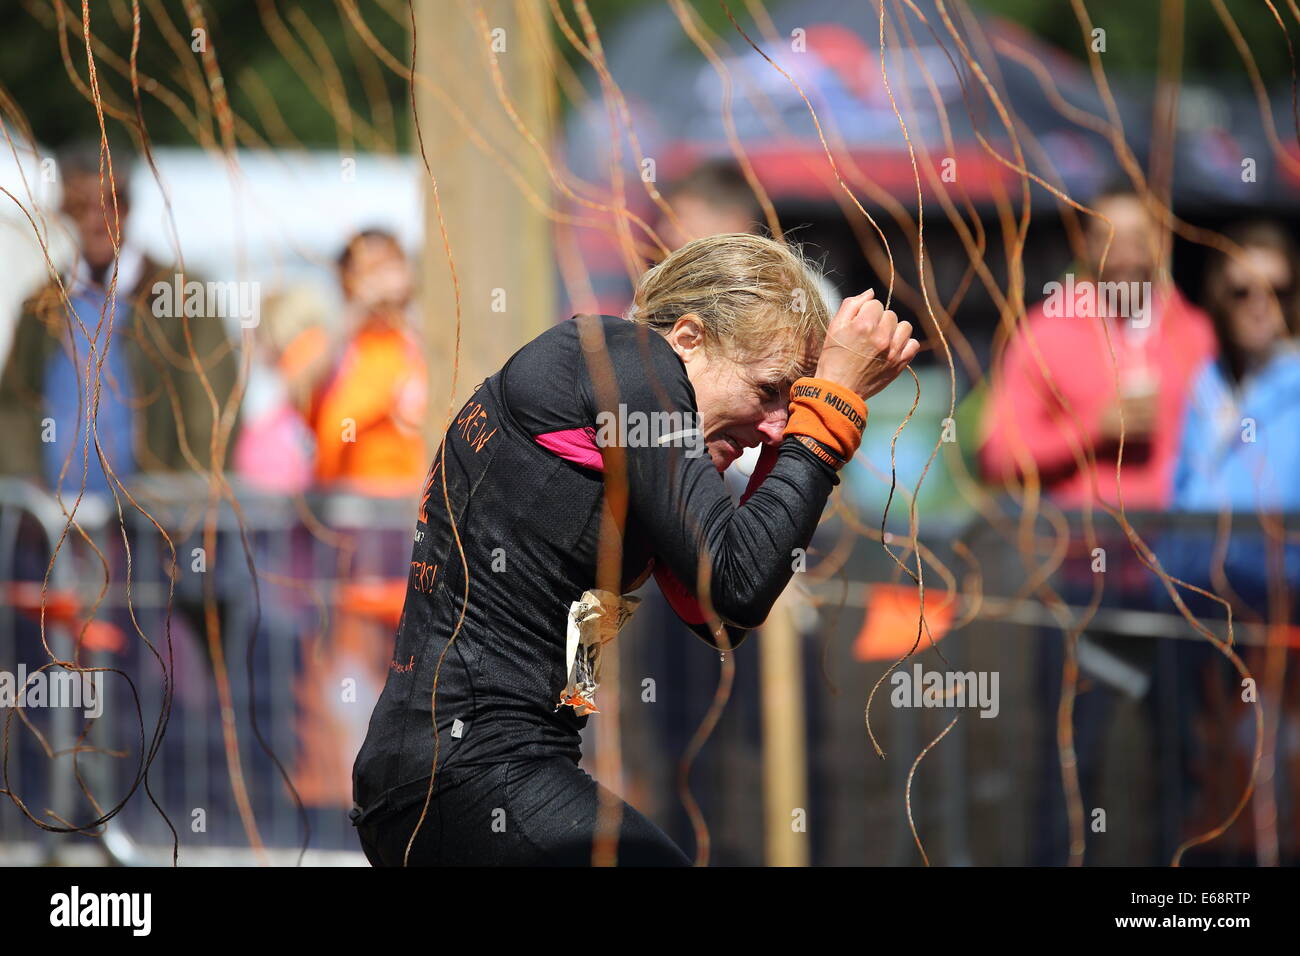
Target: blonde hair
<point>751,293</point>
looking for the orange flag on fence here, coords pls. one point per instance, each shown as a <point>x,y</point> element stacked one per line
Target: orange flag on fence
<point>893,615</point>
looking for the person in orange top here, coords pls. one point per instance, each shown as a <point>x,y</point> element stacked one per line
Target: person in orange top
<point>367,421</point>
<point>367,418</point>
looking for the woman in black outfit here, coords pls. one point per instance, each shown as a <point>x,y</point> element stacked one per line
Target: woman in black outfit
<point>605,437</point>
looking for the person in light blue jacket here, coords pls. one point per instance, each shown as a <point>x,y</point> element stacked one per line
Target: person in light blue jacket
<point>1239,456</point>
<point>1240,447</point>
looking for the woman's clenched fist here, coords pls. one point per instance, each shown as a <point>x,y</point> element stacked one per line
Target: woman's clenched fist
<point>866,346</point>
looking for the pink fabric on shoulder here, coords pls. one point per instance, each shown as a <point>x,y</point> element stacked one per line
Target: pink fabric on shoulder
<point>577,445</point>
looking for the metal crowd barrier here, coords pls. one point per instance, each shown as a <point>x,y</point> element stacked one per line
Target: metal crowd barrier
<point>316,634</point>
<point>981,795</point>
<point>304,653</point>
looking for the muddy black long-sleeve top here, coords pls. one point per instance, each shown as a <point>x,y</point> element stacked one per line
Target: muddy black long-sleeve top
<point>526,487</point>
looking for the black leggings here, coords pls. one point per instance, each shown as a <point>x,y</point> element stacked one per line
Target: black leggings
<point>528,812</point>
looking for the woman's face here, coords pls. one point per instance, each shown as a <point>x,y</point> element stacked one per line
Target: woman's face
<point>377,276</point>
<point>742,403</point>
<point>1257,282</point>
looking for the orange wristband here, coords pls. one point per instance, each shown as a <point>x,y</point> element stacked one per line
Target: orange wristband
<point>829,414</point>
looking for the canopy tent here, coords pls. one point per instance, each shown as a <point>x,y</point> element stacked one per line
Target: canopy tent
<point>831,49</point>
<point>679,103</point>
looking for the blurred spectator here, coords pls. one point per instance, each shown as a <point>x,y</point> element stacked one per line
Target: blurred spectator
<point>1159,342</point>
<point>150,390</point>
<point>1240,444</point>
<point>367,421</point>
<point>276,451</point>
<point>369,414</point>
<point>1240,452</point>
<point>713,198</point>
<point>1157,351</point>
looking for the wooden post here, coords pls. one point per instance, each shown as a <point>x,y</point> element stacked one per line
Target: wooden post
<point>785,758</point>
<point>500,243</point>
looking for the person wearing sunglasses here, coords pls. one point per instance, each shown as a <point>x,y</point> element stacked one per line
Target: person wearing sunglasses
<point>1239,455</point>
<point>1240,445</point>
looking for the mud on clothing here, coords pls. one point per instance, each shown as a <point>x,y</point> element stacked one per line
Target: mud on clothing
<point>524,477</point>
